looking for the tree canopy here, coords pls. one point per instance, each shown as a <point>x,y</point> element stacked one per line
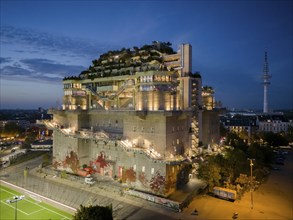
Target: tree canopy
<point>94,213</point>
<point>11,128</point>
<point>229,168</point>
<point>274,139</point>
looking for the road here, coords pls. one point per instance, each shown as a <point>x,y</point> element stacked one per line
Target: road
<point>273,199</point>
<point>19,168</point>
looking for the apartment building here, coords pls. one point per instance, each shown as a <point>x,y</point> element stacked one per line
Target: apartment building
<point>274,123</point>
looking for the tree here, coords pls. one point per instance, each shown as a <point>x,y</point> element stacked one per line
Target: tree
<point>223,130</point>
<point>220,169</point>
<point>237,162</point>
<point>94,213</point>
<point>235,141</point>
<point>136,49</point>
<point>29,139</point>
<point>11,128</point>
<point>210,172</point>
<point>273,139</point>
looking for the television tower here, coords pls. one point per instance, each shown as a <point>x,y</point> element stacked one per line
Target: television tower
<point>266,77</point>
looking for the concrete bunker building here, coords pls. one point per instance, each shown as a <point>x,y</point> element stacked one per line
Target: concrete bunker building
<point>134,115</point>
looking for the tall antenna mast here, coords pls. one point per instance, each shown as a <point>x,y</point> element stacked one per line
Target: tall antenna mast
<point>266,77</point>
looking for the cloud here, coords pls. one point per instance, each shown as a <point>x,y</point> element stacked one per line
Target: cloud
<point>43,41</point>
<point>51,67</point>
<point>39,70</point>
<point>64,52</point>
<point>21,74</point>
<point>14,71</point>
<point>5,60</point>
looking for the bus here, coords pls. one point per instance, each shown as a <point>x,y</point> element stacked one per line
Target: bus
<point>224,193</point>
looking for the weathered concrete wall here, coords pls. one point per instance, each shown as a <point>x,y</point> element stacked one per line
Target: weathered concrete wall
<point>147,131</point>
<point>72,119</point>
<point>102,120</point>
<point>164,132</point>
<point>83,151</point>
<point>62,146</point>
<point>109,158</point>
<point>211,127</point>
<point>134,168</point>
<point>177,135</point>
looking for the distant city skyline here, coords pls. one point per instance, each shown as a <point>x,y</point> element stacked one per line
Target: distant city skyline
<point>42,42</point>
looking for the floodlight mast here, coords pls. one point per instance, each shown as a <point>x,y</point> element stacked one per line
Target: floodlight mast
<point>15,200</point>
<point>251,190</point>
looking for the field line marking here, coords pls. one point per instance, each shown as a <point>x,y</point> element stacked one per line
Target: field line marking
<point>28,191</point>
<point>48,209</point>
<point>24,200</point>
<point>14,207</point>
<point>31,213</point>
<point>36,205</point>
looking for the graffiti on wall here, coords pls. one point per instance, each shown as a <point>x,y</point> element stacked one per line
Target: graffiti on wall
<point>71,161</point>
<point>156,199</point>
<point>71,164</point>
<point>128,175</point>
<point>101,166</point>
<point>157,183</point>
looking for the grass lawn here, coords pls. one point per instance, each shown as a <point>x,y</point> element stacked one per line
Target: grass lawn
<point>31,207</point>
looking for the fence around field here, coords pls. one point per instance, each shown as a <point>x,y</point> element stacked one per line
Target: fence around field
<point>39,197</point>
<point>73,197</point>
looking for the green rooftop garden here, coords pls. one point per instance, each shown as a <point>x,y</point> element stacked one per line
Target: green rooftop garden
<point>127,61</point>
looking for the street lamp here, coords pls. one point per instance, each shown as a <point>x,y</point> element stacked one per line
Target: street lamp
<point>15,200</point>
<point>251,190</point>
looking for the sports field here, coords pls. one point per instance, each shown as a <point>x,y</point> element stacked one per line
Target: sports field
<point>31,207</point>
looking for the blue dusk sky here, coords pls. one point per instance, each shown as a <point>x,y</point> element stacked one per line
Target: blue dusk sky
<point>44,41</point>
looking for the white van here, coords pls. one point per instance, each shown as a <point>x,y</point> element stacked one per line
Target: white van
<point>89,180</point>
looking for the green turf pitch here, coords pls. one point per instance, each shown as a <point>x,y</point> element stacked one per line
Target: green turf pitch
<point>29,208</point>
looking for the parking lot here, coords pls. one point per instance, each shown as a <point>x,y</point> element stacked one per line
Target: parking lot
<point>272,200</point>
